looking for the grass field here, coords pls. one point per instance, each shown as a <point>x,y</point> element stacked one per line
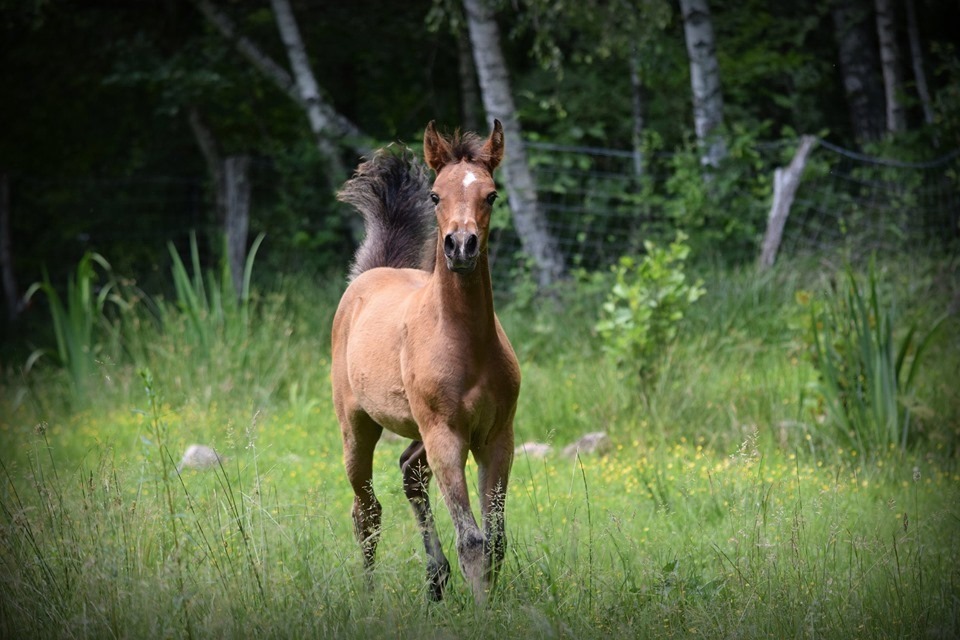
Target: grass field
<point>730,504</point>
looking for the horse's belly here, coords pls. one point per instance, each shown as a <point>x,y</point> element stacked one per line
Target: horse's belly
<point>389,408</point>
<point>375,379</point>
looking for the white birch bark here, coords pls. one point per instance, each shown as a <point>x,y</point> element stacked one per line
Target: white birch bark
<point>320,123</point>
<point>890,64</point>
<point>704,80</point>
<point>494,80</point>
<point>338,127</point>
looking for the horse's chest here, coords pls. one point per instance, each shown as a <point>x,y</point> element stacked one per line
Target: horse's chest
<point>464,392</point>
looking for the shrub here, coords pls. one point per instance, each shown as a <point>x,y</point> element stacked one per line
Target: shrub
<point>866,377</point>
<point>643,310</point>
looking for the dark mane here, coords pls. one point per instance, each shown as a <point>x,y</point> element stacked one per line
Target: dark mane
<point>391,192</point>
<point>468,147</point>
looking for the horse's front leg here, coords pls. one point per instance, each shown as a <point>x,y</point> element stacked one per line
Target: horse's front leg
<point>447,455</point>
<point>494,461</point>
<point>416,480</point>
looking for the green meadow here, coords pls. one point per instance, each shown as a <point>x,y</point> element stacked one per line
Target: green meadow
<point>784,466</point>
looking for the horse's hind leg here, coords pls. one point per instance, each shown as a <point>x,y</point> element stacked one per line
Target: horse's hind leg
<point>360,436</point>
<point>494,462</point>
<point>416,480</point>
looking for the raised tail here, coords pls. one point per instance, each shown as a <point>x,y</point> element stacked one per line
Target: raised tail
<point>392,193</point>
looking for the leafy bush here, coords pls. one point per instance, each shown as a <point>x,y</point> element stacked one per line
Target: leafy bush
<point>866,377</point>
<point>642,314</point>
<point>723,210</point>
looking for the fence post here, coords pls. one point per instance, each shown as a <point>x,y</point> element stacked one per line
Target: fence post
<point>785,182</point>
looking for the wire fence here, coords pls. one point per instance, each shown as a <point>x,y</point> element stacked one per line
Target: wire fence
<point>597,206</point>
<point>869,204</point>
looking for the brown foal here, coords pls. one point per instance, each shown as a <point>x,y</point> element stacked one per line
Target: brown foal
<point>418,349</point>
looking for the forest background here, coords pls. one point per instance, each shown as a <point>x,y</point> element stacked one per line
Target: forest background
<point>123,119</point>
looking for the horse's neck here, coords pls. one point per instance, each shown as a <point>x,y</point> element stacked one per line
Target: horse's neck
<point>465,299</point>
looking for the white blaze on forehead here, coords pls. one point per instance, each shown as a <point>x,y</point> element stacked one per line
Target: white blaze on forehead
<point>469,179</point>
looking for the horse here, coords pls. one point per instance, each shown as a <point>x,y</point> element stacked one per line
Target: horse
<point>417,349</point>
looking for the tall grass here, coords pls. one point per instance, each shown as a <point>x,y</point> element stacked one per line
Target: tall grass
<point>76,318</point>
<point>868,377</point>
<point>651,541</point>
<point>725,508</point>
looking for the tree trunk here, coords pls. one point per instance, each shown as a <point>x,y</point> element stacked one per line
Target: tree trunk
<point>785,183</point>
<point>859,66</point>
<point>231,193</point>
<point>469,99</point>
<point>320,122</point>
<point>497,100</point>
<point>637,94</point>
<point>916,57</point>
<point>704,80</point>
<point>338,127</point>
<point>210,150</point>
<point>236,182</point>
<point>891,66</point>
<point>11,294</point>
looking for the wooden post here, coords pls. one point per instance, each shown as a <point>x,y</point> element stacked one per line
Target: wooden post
<point>785,183</point>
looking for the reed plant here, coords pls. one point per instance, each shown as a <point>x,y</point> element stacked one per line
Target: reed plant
<point>868,365</point>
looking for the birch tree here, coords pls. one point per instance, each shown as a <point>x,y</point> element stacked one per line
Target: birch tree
<point>891,65</point>
<point>498,102</point>
<point>321,121</point>
<point>704,80</point>
<point>331,129</point>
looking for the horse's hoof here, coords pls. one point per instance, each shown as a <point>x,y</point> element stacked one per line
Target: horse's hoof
<point>437,576</point>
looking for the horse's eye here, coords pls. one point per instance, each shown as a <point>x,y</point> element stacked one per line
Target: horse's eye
<point>491,198</point>
<point>435,198</point>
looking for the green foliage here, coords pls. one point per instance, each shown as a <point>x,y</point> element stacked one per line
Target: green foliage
<point>723,210</point>
<point>78,320</point>
<point>308,229</point>
<point>214,305</point>
<point>642,315</point>
<point>867,373</point>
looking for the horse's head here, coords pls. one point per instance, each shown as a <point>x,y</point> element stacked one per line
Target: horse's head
<point>464,191</point>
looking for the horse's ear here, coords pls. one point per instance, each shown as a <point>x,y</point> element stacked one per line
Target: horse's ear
<point>493,148</point>
<point>436,150</point>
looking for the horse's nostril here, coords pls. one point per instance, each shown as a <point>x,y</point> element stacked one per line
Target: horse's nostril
<point>473,244</point>
<point>449,245</point>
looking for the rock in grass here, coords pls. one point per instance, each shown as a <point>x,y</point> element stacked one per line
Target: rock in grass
<point>533,449</point>
<point>596,442</point>
<point>199,456</point>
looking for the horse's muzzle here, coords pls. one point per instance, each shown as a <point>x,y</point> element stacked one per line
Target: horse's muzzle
<point>461,249</point>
